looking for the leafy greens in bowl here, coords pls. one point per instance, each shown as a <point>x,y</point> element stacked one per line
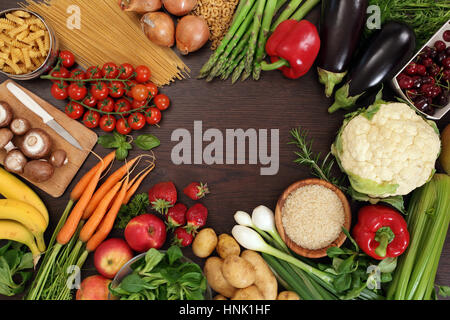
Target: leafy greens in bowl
<point>160,275</point>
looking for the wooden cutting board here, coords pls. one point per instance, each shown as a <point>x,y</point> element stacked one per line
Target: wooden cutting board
<point>62,177</point>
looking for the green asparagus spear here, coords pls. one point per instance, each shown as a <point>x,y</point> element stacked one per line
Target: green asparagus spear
<point>231,45</point>
<point>304,9</point>
<point>238,71</point>
<point>233,65</point>
<point>287,12</point>
<point>241,48</point>
<point>233,28</point>
<point>269,11</point>
<point>254,37</point>
<point>280,3</point>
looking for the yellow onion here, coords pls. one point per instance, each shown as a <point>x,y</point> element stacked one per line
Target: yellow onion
<point>159,28</point>
<point>192,33</point>
<point>179,7</point>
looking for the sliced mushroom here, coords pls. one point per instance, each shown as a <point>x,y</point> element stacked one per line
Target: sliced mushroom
<point>20,126</point>
<point>6,136</point>
<point>36,144</point>
<point>38,170</point>
<point>6,114</point>
<point>15,161</point>
<point>59,158</point>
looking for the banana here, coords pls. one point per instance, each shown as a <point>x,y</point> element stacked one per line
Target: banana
<point>27,215</point>
<point>11,230</point>
<point>12,188</point>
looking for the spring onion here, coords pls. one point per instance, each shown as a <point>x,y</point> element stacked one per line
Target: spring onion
<point>264,219</point>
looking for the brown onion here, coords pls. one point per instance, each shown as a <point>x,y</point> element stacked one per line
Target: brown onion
<point>179,7</point>
<point>140,6</point>
<point>159,28</point>
<point>192,33</point>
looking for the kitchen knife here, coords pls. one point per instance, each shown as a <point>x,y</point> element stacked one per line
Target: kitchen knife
<point>28,102</point>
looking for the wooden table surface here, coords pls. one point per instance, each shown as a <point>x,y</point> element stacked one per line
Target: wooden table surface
<point>273,102</point>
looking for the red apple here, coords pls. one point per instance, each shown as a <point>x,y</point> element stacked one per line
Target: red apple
<point>94,288</point>
<point>111,255</point>
<point>144,232</point>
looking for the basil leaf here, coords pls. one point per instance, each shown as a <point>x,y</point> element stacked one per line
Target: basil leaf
<point>108,142</point>
<point>387,265</point>
<point>147,142</point>
<point>121,154</point>
<point>334,252</point>
<point>342,282</point>
<point>444,291</point>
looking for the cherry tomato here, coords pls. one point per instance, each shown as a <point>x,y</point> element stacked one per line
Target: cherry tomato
<point>128,86</point>
<point>122,105</point>
<point>162,102</point>
<point>110,70</point>
<point>122,126</point>
<point>90,101</point>
<point>67,58</point>
<point>126,71</point>
<point>107,123</point>
<point>60,73</point>
<point>142,74</point>
<point>59,90</point>
<point>106,105</point>
<point>116,89</point>
<point>78,74</point>
<point>136,121</point>
<point>139,92</point>
<point>99,90</point>
<point>74,110</point>
<point>135,104</point>
<point>77,91</point>
<point>152,88</point>
<point>91,119</point>
<point>153,115</point>
<point>94,72</point>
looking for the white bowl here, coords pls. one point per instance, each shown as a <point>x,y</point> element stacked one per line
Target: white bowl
<point>439,112</point>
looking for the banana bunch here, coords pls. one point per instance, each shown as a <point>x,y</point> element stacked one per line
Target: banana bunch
<point>23,215</point>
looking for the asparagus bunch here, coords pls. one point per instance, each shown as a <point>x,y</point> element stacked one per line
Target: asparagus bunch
<point>242,50</point>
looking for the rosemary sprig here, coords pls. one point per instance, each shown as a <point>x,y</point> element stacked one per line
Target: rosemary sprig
<point>320,168</point>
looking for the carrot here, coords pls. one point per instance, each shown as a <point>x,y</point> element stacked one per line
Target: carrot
<point>84,181</point>
<point>135,185</point>
<point>106,186</point>
<point>71,224</point>
<point>108,221</point>
<point>94,220</point>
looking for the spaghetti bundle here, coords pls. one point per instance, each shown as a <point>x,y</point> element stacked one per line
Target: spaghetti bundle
<point>106,33</point>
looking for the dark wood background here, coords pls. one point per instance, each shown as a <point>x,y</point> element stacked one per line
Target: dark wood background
<point>273,102</point>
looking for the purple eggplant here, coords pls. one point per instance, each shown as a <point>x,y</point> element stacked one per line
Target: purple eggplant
<point>387,51</point>
<point>341,26</point>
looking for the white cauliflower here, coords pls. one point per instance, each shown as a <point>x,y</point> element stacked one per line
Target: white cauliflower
<point>387,150</point>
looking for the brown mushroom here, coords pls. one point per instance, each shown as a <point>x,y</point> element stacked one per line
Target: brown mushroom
<point>6,136</point>
<point>58,158</point>
<point>6,114</point>
<point>36,144</point>
<point>15,161</point>
<point>20,126</point>
<point>38,170</point>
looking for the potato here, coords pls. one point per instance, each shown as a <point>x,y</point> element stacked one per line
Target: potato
<point>227,246</point>
<point>238,272</point>
<point>249,293</point>
<point>265,279</point>
<point>288,295</point>
<point>220,297</point>
<point>214,276</point>
<point>204,243</point>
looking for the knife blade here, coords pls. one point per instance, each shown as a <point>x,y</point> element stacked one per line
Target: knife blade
<point>47,118</point>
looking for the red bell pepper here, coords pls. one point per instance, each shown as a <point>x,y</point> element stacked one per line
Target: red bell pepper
<point>381,232</point>
<point>292,47</point>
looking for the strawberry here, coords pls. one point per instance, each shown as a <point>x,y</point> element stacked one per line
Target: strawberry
<point>162,196</point>
<point>176,216</point>
<point>196,217</point>
<point>196,190</point>
<point>182,237</point>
